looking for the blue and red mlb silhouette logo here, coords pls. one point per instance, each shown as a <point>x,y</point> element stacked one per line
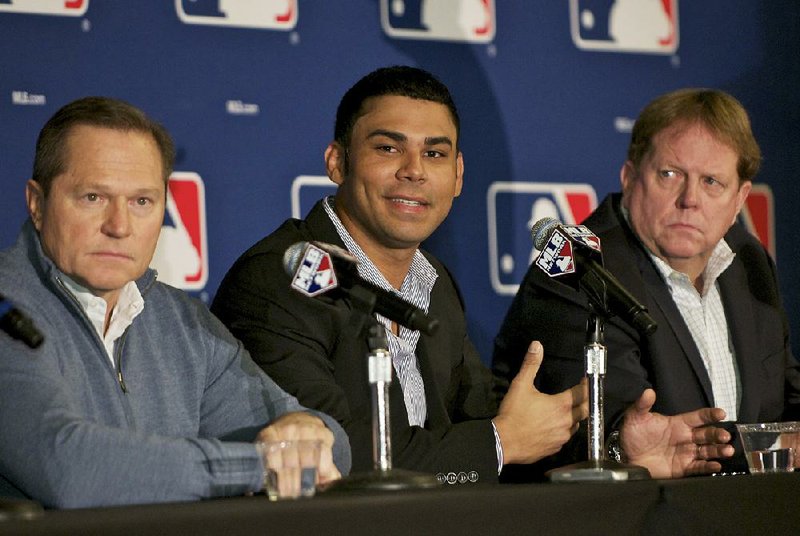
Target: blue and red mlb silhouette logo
<point>314,274</point>
<point>513,208</point>
<point>264,14</point>
<point>583,235</point>
<point>69,8</point>
<point>471,21</point>
<point>638,26</point>
<point>307,190</point>
<point>556,257</point>
<point>181,256</point>
<point>758,215</point>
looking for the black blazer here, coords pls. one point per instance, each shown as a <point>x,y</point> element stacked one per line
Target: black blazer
<point>314,350</point>
<point>668,360</point>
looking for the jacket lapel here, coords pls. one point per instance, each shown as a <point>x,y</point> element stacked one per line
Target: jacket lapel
<point>739,315</point>
<point>660,295</point>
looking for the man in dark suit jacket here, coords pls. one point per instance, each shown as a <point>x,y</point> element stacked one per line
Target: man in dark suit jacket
<point>396,160</point>
<point>722,337</point>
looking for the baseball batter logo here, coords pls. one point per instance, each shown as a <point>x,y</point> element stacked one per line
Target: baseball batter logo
<point>263,14</point>
<point>315,273</point>
<point>512,208</point>
<point>471,21</point>
<point>556,257</point>
<point>583,235</point>
<point>758,215</point>
<point>307,190</point>
<point>181,256</point>
<point>68,8</point>
<point>638,26</point>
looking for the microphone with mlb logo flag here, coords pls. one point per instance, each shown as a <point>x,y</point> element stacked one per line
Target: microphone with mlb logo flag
<point>318,268</point>
<point>572,254</point>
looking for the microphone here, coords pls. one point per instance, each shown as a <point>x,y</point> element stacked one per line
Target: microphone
<point>17,325</point>
<point>317,268</point>
<point>572,254</point>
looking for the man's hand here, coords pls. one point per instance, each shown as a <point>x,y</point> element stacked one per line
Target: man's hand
<point>299,425</point>
<point>672,447</point>
<point>531,424</point>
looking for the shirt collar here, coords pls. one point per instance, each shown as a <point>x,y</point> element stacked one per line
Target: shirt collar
<point>721,257</point>
<point>129,304</point>
<point>420,272</point>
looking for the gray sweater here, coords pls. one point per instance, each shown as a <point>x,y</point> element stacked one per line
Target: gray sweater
<point>175,421</point>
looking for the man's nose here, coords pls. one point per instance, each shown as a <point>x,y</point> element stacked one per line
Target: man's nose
<point>689,195</point>
<point>117,221</point>
<point>412,167</point>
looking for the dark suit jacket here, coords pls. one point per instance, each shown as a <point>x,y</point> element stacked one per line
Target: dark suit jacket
<point>315,351</point>
<point>668,360</point>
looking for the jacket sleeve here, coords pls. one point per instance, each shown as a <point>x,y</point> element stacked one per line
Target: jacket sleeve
<point>56,449</point>
<point>240,398</point>
<point>53,453</point>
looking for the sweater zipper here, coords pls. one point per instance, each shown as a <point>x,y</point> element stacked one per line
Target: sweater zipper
<point>117,347</point>
<point>118,360</point>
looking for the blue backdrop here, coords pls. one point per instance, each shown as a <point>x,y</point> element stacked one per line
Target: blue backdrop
<point>547,92</point>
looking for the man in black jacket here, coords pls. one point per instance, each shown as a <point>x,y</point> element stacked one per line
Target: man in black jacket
<point>670,239</point>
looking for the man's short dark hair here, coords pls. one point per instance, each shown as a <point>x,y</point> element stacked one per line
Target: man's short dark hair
<point>399,80</point>
<point>105,112</point>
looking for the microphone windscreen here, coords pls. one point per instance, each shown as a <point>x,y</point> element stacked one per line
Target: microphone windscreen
<point>293,256</point>
<point>540,231</point>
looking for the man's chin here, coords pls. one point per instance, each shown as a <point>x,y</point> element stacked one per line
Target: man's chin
<point>108,285</point>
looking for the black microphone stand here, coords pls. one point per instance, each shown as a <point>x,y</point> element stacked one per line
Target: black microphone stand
<point>379,364</point>
<point>598,467</point>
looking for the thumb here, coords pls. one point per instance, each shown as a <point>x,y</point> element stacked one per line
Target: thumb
<point>645,401</point>
<point>531,363</point>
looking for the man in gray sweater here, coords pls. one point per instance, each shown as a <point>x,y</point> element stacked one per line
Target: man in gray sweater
<point>138,394</point>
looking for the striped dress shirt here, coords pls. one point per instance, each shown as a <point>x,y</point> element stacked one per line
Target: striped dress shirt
<point>416,289</point>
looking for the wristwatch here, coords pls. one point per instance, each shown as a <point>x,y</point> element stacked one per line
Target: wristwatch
<point>614,449</point>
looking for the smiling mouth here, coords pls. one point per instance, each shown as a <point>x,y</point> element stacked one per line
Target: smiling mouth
<point>408,202</point>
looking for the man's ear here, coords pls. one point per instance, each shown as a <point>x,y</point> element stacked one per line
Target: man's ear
<point>741,197</point>
<point>627,175</point>
<point>335,159</point>
<point>34,197</point>
<point>459,174</point>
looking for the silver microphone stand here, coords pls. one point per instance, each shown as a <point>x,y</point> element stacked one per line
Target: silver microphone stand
<point>598,467</point>
<point>379,367</point>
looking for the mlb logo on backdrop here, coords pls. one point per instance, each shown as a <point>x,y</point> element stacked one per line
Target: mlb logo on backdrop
<point>264,14</point>
<point>69,8</point>
<point>471,21</point>
<point>181,256</point>
<point>643,26</point>
<point>307,190</point>
<point>512,208</point>
<point>758,215</point>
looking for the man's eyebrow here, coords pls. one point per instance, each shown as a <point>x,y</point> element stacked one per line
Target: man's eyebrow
<point>399,137</point>
<point>439,140</point>
<point>391,134</point>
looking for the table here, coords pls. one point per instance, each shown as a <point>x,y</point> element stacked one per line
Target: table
<point>744,504</point>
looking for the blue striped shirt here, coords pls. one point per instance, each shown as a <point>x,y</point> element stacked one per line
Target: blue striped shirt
<point>416,289</point>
